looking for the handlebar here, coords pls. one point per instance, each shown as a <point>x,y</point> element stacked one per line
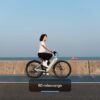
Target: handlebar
<point>55,53</point>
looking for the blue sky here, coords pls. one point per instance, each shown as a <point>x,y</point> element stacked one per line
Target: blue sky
<point>73,27</point>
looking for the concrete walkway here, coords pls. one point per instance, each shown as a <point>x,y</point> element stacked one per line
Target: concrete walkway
<point>20,91</point>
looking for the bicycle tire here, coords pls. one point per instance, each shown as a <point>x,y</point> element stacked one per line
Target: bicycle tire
<point>27,67</point>
<point>65,64</point>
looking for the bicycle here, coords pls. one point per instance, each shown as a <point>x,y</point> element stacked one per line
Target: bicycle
<point>61,68</point>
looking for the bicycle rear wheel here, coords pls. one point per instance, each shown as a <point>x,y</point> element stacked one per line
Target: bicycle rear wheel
<point>30,69</point>
<point>62,69</point>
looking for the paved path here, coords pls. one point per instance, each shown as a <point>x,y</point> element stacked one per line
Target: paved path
<point>20,91</point>
<point>12,78</point>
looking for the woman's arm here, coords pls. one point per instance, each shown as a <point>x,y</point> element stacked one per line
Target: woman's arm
<point>47,49</point>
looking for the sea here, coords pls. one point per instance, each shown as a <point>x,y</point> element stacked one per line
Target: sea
<point>60,58</point>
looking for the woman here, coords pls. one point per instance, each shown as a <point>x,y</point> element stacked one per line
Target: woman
<point>44,52</point>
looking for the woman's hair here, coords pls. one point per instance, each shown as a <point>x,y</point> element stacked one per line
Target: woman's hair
<point>42,37</point>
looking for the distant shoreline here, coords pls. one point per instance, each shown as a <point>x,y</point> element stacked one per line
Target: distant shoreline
<point>60,58</point>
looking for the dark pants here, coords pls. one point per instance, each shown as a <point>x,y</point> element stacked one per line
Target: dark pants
<point>45,56</point>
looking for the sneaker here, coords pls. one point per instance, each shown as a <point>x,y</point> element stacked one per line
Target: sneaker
<point>45,64</point>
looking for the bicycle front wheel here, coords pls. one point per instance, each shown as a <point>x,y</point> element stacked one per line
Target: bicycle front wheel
<point>62,69</point>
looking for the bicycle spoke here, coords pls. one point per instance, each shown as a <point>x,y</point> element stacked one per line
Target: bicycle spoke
<point>60,66</point>
<point>31,64</point>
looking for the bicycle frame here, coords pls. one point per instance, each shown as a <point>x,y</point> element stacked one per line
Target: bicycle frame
<point>55,59</point>
<point>52,62</point>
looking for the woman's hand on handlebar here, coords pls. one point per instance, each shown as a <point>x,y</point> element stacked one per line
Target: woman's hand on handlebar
<point>54,52</point>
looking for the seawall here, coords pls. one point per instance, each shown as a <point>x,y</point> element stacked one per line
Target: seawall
<point>79,67</point>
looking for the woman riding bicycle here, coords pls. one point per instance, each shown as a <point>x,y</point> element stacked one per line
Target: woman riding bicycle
<point>35,68</point>
<point>44,52</point>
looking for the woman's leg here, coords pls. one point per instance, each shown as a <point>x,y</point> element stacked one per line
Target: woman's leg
<point>46,57</point>
<point>42,56</point>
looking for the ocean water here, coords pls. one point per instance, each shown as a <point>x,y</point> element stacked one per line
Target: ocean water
<point>60,58</point>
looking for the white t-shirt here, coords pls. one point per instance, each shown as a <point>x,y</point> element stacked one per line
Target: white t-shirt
<point>41,48</point>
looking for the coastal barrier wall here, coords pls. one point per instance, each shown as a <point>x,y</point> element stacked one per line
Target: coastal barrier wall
<point>79,67</point>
